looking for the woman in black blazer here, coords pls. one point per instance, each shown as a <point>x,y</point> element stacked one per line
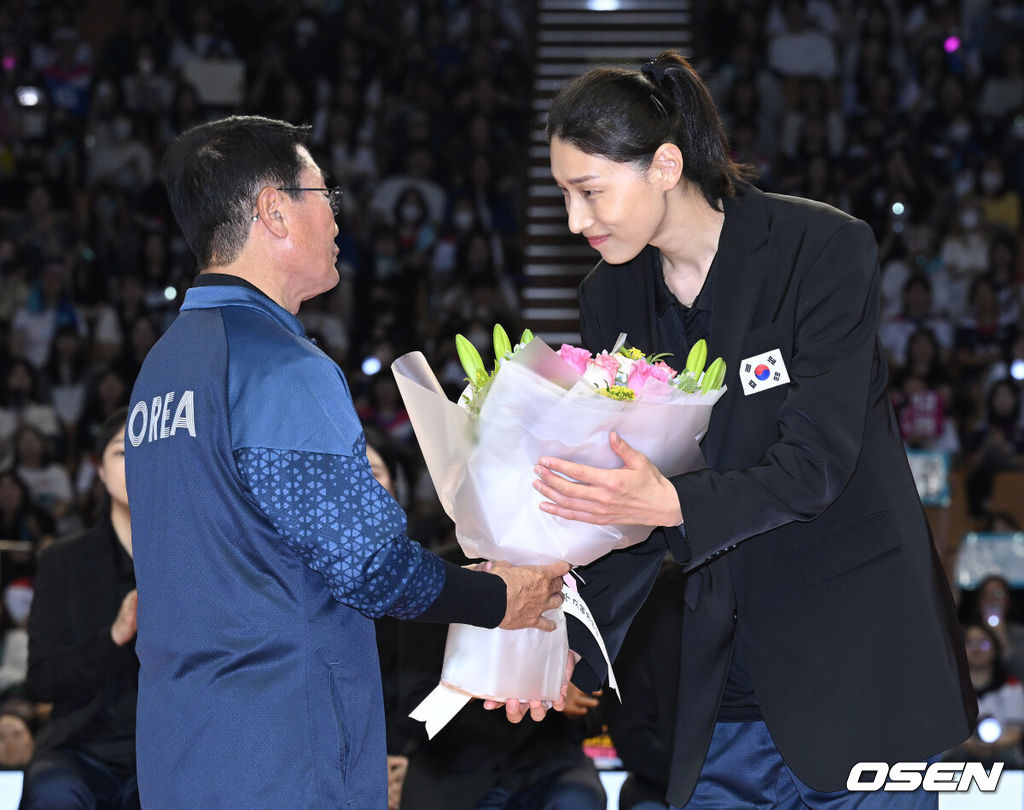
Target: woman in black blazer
<point>819,630</point>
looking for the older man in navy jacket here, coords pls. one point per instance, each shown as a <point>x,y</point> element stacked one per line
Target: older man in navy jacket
<point>264,546</point>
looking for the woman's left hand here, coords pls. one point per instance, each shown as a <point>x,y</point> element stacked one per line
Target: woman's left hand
<point>578,703</point>
<point>636,493</point>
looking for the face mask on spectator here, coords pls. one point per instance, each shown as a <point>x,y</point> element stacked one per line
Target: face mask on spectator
<point>463,220</point>
<point>409,213</point>
<point>18,601</point>
<point>969,219</point>
<point>122,128</point>
<point>991,181</point>
<point>959,131</point>
<point>963,183</point>
<point>384,266</point>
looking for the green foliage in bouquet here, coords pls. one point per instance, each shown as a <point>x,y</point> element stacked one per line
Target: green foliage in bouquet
<point>477,376</point>
<point>620,392</point>
<point>692,379</point>
<point>689,379</point>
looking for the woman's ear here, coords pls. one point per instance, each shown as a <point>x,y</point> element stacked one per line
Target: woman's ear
<point>667,166</point>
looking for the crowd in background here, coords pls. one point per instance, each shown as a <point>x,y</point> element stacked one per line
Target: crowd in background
<point>909,115</point>
<point>906,113</point>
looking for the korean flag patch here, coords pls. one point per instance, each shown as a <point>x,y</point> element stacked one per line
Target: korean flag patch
<point>763,371</point>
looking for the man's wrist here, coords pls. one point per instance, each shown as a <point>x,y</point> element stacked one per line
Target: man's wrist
<point>468,597</point>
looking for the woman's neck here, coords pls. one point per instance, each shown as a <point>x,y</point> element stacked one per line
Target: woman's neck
<point>688,241</point>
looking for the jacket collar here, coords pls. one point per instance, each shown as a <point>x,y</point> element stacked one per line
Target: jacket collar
<point>740,265</point>
<point>746,219</point>
<point>212,295</point>
<point>745,233</point>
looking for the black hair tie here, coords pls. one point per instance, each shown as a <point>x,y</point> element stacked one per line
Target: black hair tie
<point>654,72</point>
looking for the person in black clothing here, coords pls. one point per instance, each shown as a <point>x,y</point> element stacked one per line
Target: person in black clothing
<point>82,656</point>
<point>804,537</point>
<point>995,445</point>
<point>647,671</point>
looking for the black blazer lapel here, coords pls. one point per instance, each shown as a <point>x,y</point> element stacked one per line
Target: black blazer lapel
<point>739,273</point>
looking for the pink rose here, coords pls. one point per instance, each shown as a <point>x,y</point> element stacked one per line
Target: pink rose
<point>641,372</point>
<point>601,370</point>
<point>662,371</point>
<point>575,357</point>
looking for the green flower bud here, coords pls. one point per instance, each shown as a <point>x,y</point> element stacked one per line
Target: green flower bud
<point>502,345</point>
<point>471,361</point>
<point>697,357</point>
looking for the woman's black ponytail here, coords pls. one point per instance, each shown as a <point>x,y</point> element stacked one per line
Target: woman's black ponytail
<point>625,115</point>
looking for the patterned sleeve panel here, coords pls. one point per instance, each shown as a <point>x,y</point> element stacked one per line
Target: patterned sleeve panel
<point>341,523</point>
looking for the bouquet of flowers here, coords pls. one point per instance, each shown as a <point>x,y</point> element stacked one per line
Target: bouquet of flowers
<point>481,451</point>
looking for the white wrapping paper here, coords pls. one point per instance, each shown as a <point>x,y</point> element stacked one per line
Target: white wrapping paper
<point>482,470</point>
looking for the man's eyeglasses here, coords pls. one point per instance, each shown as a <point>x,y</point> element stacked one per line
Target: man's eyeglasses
<point>333,195</point>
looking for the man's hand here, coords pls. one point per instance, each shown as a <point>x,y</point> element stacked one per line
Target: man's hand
<point>125,625</point>
<point>636,493</point>
<point>515,710</point>
<point>529,591</point>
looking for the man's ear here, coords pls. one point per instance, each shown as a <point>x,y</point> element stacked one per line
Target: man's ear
<point>271,211</point>
<point>667,166</point>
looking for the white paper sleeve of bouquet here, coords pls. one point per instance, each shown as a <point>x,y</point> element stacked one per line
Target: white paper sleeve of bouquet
<point>445,701</point>
<point>536,406</point>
